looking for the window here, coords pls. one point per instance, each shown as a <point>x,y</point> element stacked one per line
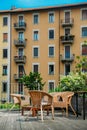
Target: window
<point>5,21</point>
<point>84,67</point>
<point>67,69</point>
<point>21,70</point>
<point>5,70</point>
<point>67,31</point>
<point>51,34</point>
<point>35,18</point>
<point>35,51</point>
<point>84,31</point>
<point>20,88</point>
<point>51,17</point>
<point>51,51</point>
<point>35,35</point>
<point>5,53</point>
<point>67,16</point>
<point>21,21</point>
<point>67,51</point>
<point>5,37</point>
<point>35,68</point>
<point>21,36</point>
<point>51,85</point>
<point>20,52</point>
<point>51,69</point>
<point>84,49</point>
<point>84,14</point>
<point>4,87</point>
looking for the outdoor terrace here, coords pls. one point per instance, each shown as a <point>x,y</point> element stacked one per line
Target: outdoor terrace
<point>12,120</point>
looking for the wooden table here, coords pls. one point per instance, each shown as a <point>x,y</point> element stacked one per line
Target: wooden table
<point>83,96</point>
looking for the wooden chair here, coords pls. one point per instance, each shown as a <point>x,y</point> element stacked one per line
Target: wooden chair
<point>41,101</point>
<point>63,100</point>
<point>21,100</point>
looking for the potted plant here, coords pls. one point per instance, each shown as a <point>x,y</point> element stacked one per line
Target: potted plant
<point>33,81</point>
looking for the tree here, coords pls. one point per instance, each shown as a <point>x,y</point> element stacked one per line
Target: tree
<point>33,81</point>
<point>81,64</point>
<point>77,80</point>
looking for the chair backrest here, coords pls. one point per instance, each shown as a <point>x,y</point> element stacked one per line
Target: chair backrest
<point>25,100</point>
<point>37,97</point>
<point>62,96</point>
<point>16,101</point>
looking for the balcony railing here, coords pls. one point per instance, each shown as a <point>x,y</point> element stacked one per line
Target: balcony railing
<point>20,42</point>
<point>20,59</point>
<point>18,76</point>
<point>67,39</point>
<point>20,26</point>
<point>67,22</point>
<point>66,59</point>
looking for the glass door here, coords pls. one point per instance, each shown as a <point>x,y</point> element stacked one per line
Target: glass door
<point>67,69</point>
<point>67,17</point>
<point>21,20</point>
<point>20,52</point>
<point>21,36</point>
<point>67,51</point>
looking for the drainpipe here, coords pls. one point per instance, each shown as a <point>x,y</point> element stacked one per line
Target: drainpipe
<point>59,46</point>
<point>10,55</point>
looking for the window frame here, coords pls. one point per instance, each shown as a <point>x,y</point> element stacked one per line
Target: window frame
<point>37,64</point>
<point>36,14</point>
<point>51,81</point>
<point>5,54</point>
<point>5,38</point>
<point>4,88</point>
<point>50,72</point>
<point>5,24</point>
<point>35,47</point>
<point>82,50</point>
<point>65,68</point>
<point>82,31</point>
<point>49,50</point>
<point>49,33</point>
<point>82,14</point>
<point>35,36</point>
<point>52,19</point>
<point>4,70</point>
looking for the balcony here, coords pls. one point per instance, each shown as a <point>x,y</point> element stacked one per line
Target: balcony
<point>65,59</point>
<point>67,22</point>
<point>18,76</point>
<point>20,43</point>
<point>20,26</point>
<point>20,59</point>
<point>67,39</point>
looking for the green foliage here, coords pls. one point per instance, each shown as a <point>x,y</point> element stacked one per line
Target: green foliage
<point>77,80</point>
<point>74,82</point>
<point>33,81</point>
<point>81,63</point>
<point>57,89</point>
<point>8,106</point>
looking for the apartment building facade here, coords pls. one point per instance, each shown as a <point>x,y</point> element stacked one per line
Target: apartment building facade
<point>45,40</point>
<point>4,57</point>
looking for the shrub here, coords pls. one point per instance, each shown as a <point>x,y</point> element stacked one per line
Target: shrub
<point>74,82</point>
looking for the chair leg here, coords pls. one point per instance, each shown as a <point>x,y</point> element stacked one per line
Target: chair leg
<point>41,113</point>
<point>63,111</point>
<point>52,112</point>
<point>66,111</point>
<point>73,109</point>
